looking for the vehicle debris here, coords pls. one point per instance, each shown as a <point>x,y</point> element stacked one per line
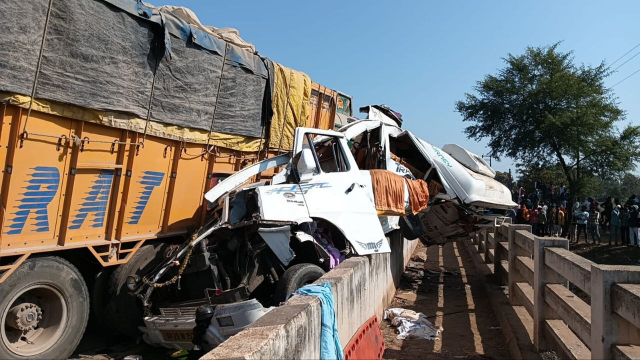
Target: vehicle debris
<point>411,324</point>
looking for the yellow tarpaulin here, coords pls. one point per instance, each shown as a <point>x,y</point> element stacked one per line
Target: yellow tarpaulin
<point>132,123</point>
<point>290,102</point>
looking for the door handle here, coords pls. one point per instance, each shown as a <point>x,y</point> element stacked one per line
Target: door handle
<point>350,189</point>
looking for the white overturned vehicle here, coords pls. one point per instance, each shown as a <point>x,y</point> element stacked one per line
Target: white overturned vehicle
<point>265,240</point>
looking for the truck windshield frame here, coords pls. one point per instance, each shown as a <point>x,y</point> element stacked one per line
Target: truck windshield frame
<point>330,148</point>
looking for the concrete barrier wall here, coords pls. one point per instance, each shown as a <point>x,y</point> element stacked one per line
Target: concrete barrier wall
<point>362,287</point>
<point>601,321</point>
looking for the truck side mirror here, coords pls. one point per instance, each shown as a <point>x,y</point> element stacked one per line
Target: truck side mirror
<point>306,164</point>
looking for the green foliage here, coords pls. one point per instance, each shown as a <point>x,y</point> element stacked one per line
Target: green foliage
<point>529,175</point>
<point>505,179</point>
<point>622,188</point>
<point>543,110</point>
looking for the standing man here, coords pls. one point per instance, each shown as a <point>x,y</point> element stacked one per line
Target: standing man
<point>542,221</point>
<point>594,223</point>
<point>533,220</point>
<point>587,203</point>
<point>608,208</point>
<point>624,225</point>
<point>615,224</point>
<point>582,218</point>
<point>558,220</point>
<point>634,223</point>
<point>520,194</point>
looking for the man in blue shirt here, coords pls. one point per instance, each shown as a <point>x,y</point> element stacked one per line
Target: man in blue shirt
<point>582,218</point>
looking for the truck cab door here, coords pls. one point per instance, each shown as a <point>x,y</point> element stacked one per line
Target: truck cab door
<point>334,189</point>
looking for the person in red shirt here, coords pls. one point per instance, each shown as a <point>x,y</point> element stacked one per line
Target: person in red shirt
<point>533,220</point>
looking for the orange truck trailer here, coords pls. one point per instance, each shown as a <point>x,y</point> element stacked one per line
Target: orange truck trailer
<point>84,190</point>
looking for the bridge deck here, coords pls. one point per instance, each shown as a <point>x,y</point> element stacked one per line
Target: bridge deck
<point>449,290</point>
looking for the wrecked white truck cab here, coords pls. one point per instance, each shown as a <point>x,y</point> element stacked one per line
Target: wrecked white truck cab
<point>468,196</point>
<point>264,240</point>
<point>327,185</point>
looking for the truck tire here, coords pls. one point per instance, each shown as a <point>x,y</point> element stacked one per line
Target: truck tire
<point>410,227</point>
<point>99,298</point>
<point>122,311</point>
<point>44,310</point>
<point>294,278</point>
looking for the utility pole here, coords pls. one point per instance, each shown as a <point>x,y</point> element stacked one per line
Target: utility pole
<point>511,184</point>
<point>489,156</point>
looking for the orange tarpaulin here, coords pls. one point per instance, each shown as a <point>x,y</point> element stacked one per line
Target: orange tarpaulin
<point>388,192</point>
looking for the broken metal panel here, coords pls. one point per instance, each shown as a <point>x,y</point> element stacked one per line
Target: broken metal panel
<point>278,240</point>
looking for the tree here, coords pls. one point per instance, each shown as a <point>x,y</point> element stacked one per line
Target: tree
<point>628,185</point>
<point>505,179</point>
<point>543,110</point>
<point>554,175</point>
<point>529,175</point>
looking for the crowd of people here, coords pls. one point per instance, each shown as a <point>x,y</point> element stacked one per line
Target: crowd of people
<point>549,213</point>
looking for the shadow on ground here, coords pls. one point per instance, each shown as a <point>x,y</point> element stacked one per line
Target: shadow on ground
<point>451,293</point>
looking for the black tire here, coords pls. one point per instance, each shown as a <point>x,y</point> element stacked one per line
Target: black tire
<point>99,299</point>
<point>58,289</point>
<point>410,227</point>
<point>294,278</point>
<point>123,311</point>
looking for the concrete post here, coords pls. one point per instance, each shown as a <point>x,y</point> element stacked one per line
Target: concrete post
<point>497,237</point>
<point>485,237</point>
<point>607,329</point>
<point>540,279</point>
<point>514,275</point>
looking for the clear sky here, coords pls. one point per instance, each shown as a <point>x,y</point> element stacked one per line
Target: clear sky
<point>420,57</point>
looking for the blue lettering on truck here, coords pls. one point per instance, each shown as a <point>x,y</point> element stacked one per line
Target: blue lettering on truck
<point>301,189</point>
<point>41,187</point>
<point>95,203</point>
<point>149,181</point>
<point>439,154</point>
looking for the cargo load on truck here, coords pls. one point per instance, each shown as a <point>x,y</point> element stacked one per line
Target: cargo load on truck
<point>117,117</point>
<point>153,70</point>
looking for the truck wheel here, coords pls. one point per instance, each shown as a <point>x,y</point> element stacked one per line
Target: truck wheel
<point>410,227</point>
<point>99,298</point>
<point>123,312</point>
<point>44,309</point>
<point>294,278</point>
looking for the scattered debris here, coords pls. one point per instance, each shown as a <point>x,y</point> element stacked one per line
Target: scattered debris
<point>412,280</point>
<point>419,257</point>
<point>410,296</point>
<point>411,324</point>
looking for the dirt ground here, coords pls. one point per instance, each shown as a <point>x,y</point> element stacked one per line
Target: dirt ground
<point>97,344</point>
<point>442,283</point>
<point>604,253</point>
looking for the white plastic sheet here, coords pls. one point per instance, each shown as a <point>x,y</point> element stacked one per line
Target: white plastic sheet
<point>411,324</point>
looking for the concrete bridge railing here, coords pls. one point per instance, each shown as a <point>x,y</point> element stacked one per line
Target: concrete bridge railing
<point>362,287</point>
<point>580,309</point>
